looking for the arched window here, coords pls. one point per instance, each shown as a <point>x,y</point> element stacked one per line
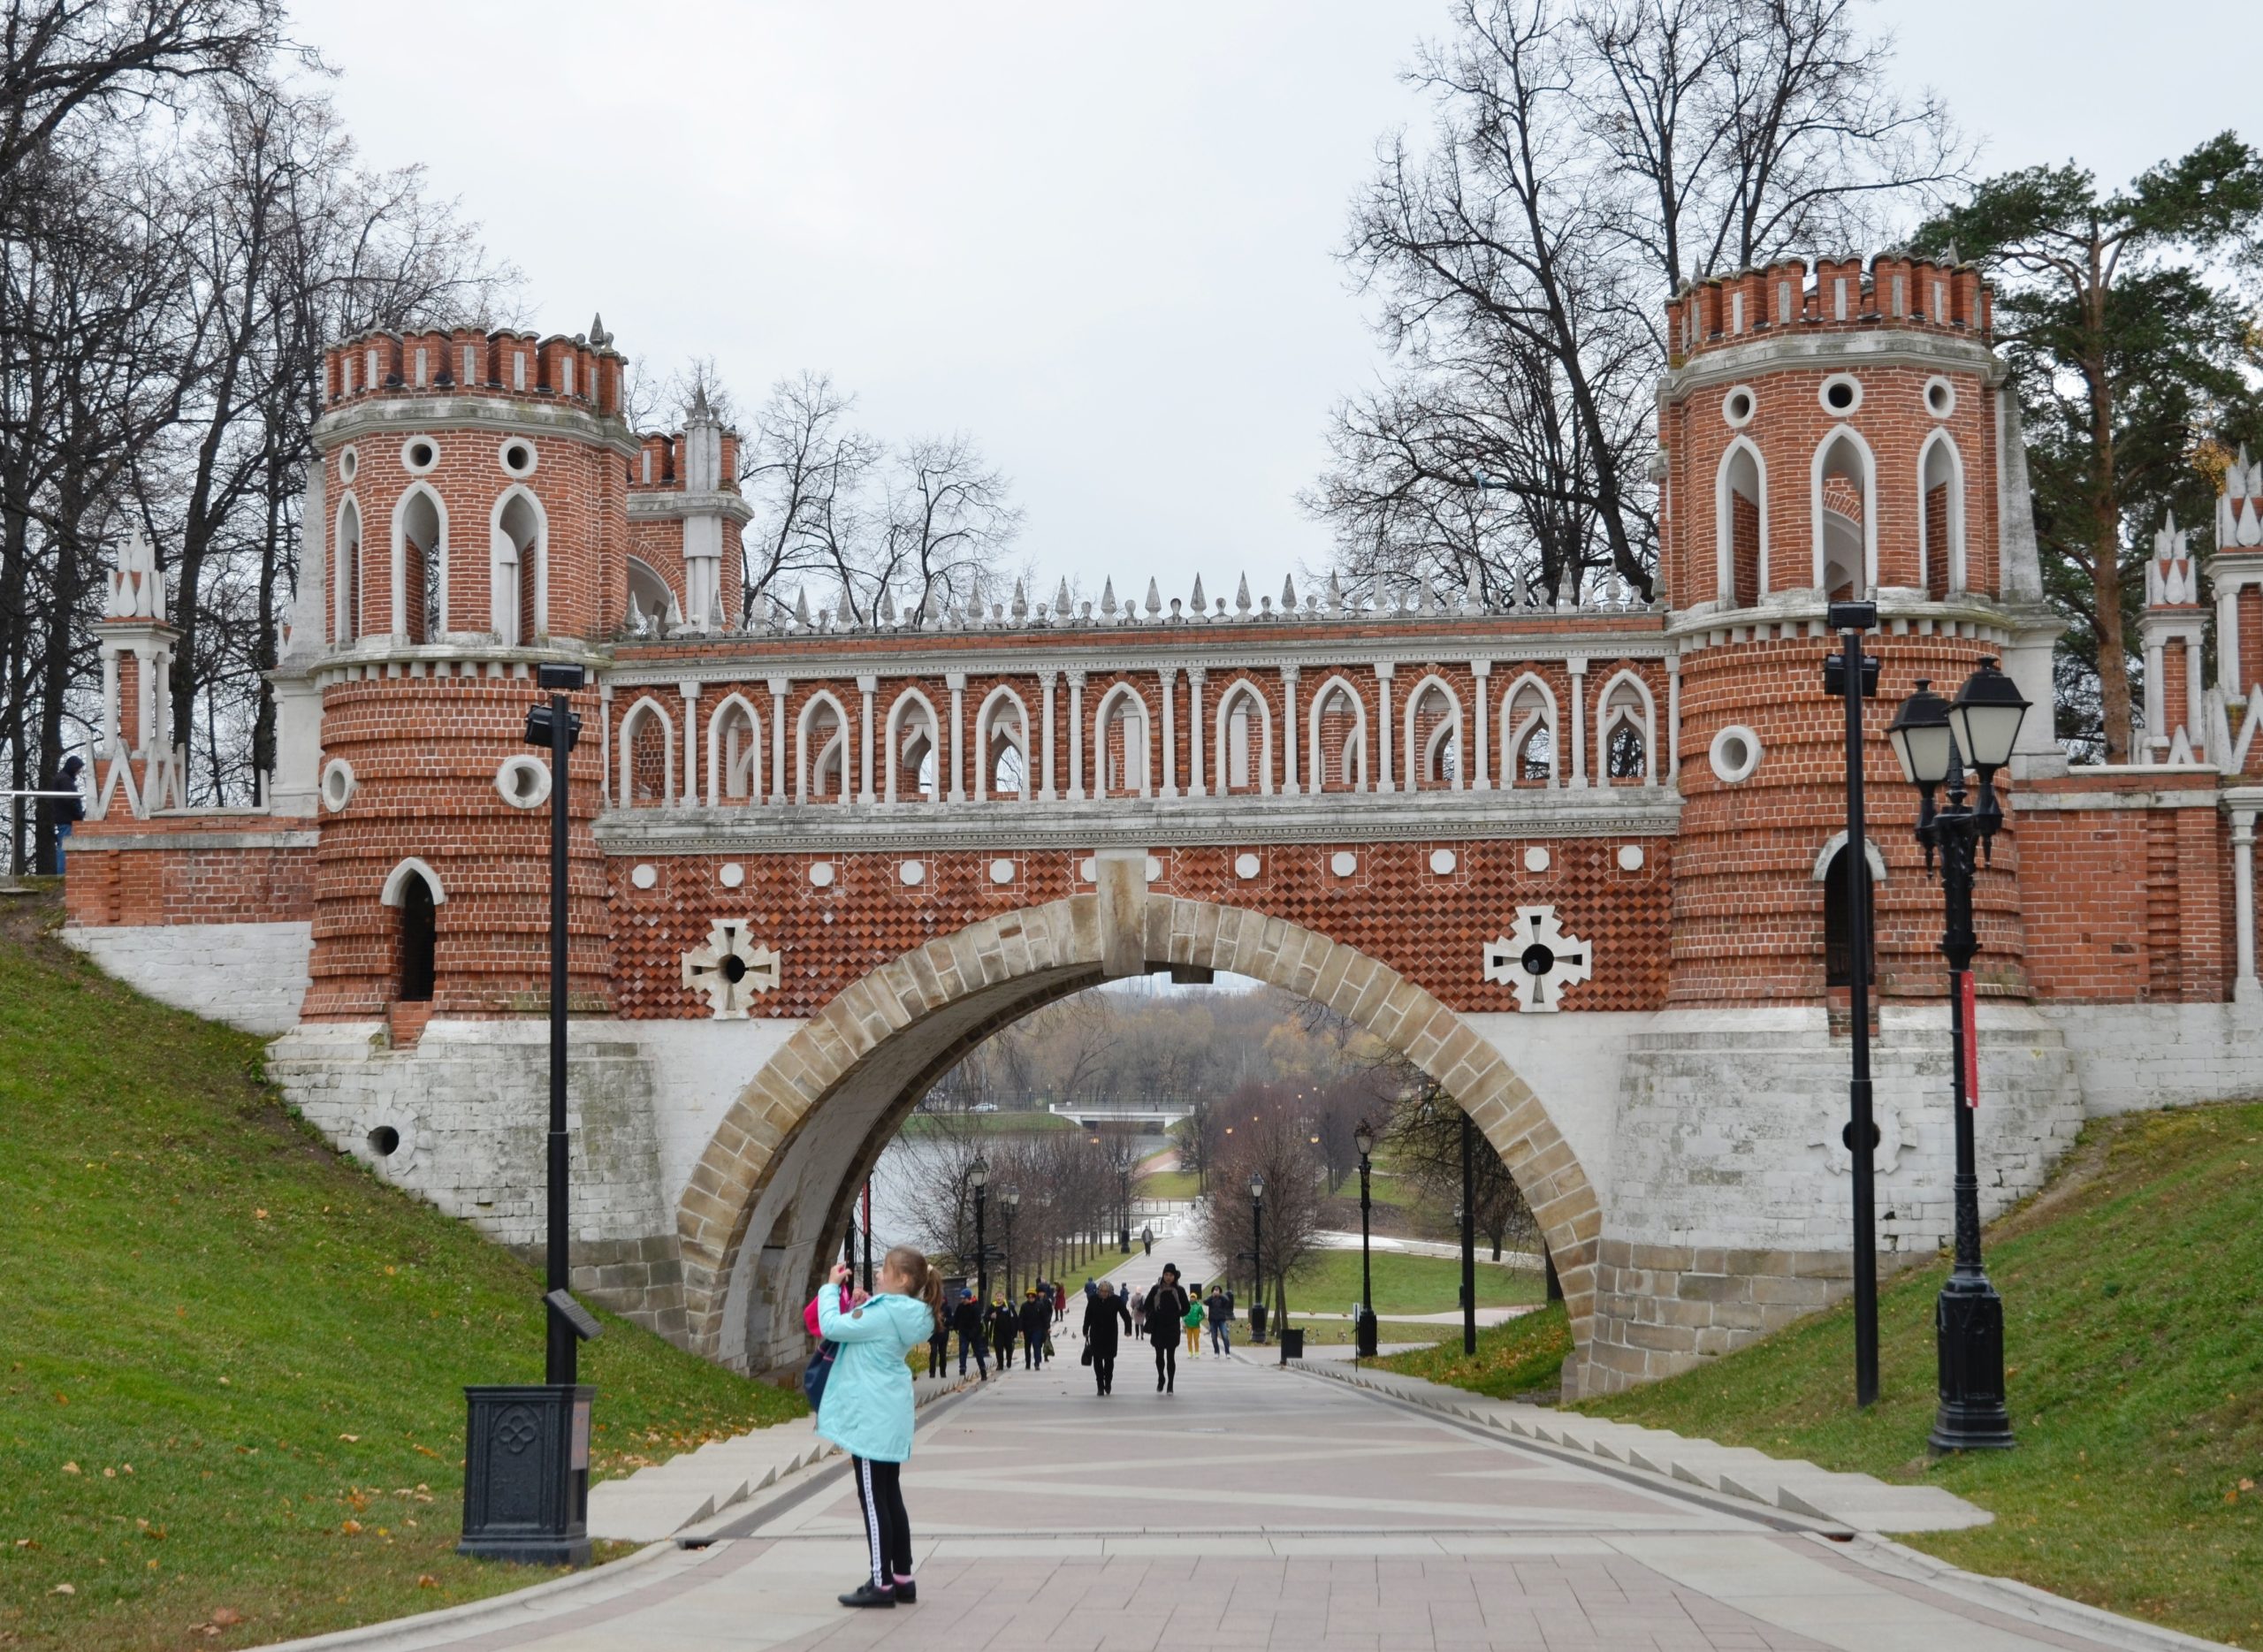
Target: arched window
<point>914,772</point>
<point>1002,741</point>
<point>1123,745</point>
<point>420,934</point>
<point>1338,737</point>
<point>1741,501</point>
<point>647,756</point>
<point>1244,759</point>
<point>1838,930</point>
<point>1528,732</point>
<point>519,545</point>
<point>1626,731</point>
<point>652,605</point>
<point>1941,483</point>
<point>1433,736</point>
<point>345,571</point>
<point>734,752</point>
<point>413,890</point>
<point>419,532</point>
<point>1845,529</point>
<point>822,764</point>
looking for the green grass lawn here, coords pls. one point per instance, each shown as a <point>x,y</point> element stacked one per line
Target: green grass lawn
<point>1167,1184</point>
<point>1329,1283</point>
<point>1525,1356</point>
<point>233,1360</point>
<point>2133,1294</point>
<point>1017,1122</point>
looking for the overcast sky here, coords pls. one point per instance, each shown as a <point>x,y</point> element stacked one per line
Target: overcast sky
<point>1098,239</point>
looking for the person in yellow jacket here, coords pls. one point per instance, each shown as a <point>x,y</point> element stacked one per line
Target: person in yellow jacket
<point>1192,1320</point>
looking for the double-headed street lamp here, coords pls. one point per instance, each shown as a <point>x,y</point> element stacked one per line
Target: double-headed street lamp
<point>1933,739</point>
<point>1257,1254</point>
<point>1012,1198</point>
<point>977,1177</point>
<point>1363,1137</point>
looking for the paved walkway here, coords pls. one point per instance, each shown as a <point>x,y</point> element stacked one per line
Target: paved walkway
<point>1259,1508</point>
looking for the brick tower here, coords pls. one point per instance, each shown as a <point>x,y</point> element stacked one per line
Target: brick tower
<point>472,526</point>
<point>1826,435</point>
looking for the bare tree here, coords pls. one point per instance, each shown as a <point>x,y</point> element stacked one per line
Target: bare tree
<point>1271,1142</point>
<point>1584,162</point>
<point>1424,1132</point>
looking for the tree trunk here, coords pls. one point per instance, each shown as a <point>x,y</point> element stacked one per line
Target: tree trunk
<point>2106,522</point>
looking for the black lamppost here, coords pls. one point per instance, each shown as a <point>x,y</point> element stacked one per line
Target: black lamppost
<point>526,1490</point>
<point>1931,738</point>
<point>1465,1217</point>
<point>1363,1137</point>
<point>1257,1254</point>
<point>977,1177</point>
<point>1123,1157</point>
<point>1012,1199</point>
<point>1852,676</point>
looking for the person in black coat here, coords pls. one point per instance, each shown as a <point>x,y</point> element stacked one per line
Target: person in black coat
<point>57,815</point>
<point>1037,1325</point>
<point>1166,1318</point>
<point>1003,1322</point>
<point>1104,1315</point>
<point>966,1319</point>
<point>939,1347</point>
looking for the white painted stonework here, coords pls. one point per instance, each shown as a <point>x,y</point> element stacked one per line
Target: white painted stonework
<point>250,975</point>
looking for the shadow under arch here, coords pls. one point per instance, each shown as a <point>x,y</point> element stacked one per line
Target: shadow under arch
<point>771,1193</point>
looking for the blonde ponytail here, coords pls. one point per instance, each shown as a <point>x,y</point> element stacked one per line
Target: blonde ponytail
<point>920,1274</point>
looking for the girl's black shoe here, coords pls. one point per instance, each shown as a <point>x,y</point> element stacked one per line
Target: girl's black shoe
<point>866,1594</point>
<point>906,1591</point>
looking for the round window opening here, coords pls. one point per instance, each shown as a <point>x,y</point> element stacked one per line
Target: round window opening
<point>1735,753</point>
<point>1538,959</point>
<point>384,1141</point>
<point>518,457</point>
<point>1738,405</point>
<point>348,463</point>
<point>337,784</point>
<point>1842,393</point>
<point>523,782</point>
<point>1940,397</point>
<point>419,454</point>
<point>733,967</point>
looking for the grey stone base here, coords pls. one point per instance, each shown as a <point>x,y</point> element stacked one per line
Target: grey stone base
<point>1664,1308</point>
<point>641,1280</point>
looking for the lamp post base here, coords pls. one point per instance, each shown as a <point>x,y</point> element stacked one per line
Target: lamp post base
<point>1968,1333</point>
<point>526,1487</point>
<point>1369,1339</point>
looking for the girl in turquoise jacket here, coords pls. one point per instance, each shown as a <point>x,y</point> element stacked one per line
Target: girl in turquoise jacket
<point>866,1406</point>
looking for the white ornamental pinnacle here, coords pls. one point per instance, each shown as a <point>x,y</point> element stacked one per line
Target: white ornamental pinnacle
<point>1538,961</point>
<point>1241,597</point>
<point>730,969</point>
<point>2170,581</point>
<point>1200,603</point>
<point>137,589</point>
<point>1155,604</point>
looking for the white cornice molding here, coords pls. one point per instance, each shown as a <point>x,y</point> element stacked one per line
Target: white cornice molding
<point>384,416</point>
<point>657,505</point>
<point>1331,817</point>
<point>1786,349</point>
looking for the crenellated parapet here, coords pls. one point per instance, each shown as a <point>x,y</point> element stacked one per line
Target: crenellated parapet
<point>583,371</point>
<point>1895,293</point>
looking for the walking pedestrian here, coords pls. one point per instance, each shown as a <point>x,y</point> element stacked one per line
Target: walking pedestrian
<point>939,1347</point>
<point>966,1319</point>
<point>1192,1322</point>
<point>1060,1301</point>
<point>866,1406</point>
<point>59,815</point>
<point>1105,1314</point>
<point>1037,1329</point>
<point>1218,1307</point>
<point>1147,1241</point>
<point>1002,1324</point>
<point>1166,1312</point>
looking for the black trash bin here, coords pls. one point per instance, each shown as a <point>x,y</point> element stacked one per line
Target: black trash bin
<point>1257,1321</point>
<point>1292,1343</point>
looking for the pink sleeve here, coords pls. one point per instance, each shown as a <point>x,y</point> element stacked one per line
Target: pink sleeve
<point>808,1316</point>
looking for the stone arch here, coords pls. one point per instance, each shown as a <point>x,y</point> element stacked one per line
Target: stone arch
<point>769,1196</point>
<point>518,567</point>
<point>418,509</point>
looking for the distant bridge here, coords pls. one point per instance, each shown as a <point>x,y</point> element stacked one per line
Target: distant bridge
<point>1159,1116</point>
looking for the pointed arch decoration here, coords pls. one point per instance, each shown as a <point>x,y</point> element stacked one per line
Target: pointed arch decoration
<point>726,764</point>
<point>505,552</point>
<point>415,492</point>
<point>1104,713</point>
<point>1939,454</point>
<point>1355,747</point>
<point>1608,717</point>
<point>647,708</point>
<point>805,760</point>
<point>347,570</point>
<point>1242,692</point>
<point>1416,759</point>
<point>911,700</point>
<point>1742,449</point>
<point>1847,436</point>
<point>986,731</point>
<point>1515,730</point>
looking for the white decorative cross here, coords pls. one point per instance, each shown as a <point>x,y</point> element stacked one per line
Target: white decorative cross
<point>730,969</point>
<point>1538,960</point>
